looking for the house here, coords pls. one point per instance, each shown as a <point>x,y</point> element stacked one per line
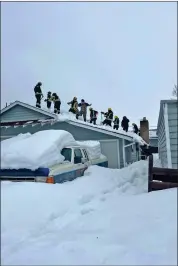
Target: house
<point>120,148</point>
<point>167,132</point>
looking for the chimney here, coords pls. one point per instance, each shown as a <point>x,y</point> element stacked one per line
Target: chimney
<point>144,130</point>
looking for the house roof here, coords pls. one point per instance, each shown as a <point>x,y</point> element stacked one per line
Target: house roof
<point>28,106</point>
<point>78,123</point>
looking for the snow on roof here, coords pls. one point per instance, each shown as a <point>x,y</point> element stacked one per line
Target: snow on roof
<point>70,118</point>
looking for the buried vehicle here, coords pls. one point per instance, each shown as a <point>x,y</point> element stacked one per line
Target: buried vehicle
<point>68,161</point>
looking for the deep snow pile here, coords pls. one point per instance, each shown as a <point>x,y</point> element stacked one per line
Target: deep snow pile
<point>94,220</point>
<point>93,148</point>
<point>32,151</point>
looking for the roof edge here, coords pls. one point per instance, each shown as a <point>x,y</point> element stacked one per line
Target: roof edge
<point>5,109</point>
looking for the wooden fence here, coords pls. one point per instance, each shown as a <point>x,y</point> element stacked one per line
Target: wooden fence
<point>161,178</point>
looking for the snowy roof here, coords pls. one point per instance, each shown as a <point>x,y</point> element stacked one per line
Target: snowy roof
<point>70,118</point>
<point>26,105</point>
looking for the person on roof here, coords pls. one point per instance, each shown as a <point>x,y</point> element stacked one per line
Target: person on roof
<point>57,103</point>
<point>135,128</point>
<point>38,94</point>
<point>125,123</point>
<point>116,122</point>
<point>74,106</point>
<point>48,100</point>
<point>93,116</point>
<point>83,110</point>
<point>109,117</point>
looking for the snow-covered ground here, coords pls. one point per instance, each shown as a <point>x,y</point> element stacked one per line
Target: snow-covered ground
<point>104,218</point>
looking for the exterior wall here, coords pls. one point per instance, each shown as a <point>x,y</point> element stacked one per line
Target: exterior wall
<point>79,133</point>
<point>110,148</point>
<point>20,113</point>
<point>173,132</point>
<point>162,149</point>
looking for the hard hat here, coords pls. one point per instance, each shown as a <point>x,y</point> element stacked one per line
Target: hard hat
<point>109,109</point>
<point>116,116</point>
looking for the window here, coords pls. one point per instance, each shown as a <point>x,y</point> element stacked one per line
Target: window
<point>67,153</point>
<point>78,153</point>
<point>77,156</point>
<point>85,153</point>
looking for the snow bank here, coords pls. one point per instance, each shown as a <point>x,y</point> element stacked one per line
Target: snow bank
<point>93,148</point>
<point>94,220</point>
<point>41,149</point>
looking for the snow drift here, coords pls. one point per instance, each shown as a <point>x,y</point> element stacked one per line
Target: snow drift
<point>104,218</point>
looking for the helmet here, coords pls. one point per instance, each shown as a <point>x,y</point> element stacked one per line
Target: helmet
<point>109,109</point>
<point>82,100</point>
<point>75,98</point>
<point>116,116</point>
<point>49,92</point>
<point>54,94</point>
<point>39,83</point>
<point>90,108</point>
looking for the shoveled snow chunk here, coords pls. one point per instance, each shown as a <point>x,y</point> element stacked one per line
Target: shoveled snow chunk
<point>41,149</point>
<point>93,148</point>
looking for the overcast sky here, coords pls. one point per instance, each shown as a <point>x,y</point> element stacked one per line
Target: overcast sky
<point>118,55</point>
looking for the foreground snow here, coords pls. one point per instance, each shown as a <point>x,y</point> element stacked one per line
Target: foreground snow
<point>104,218</point>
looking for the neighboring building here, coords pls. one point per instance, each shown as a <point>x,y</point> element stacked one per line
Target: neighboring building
<point>167,131</point>
<point>22,118</point>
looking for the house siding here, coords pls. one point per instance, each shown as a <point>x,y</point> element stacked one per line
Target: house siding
<point>162,148</point>
<point>20,113</point>
<point>173,132</point>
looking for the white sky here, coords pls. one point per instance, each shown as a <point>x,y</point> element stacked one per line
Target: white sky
<point>119,55</point>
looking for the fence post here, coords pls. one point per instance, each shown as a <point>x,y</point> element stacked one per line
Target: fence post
<point>150,172</point>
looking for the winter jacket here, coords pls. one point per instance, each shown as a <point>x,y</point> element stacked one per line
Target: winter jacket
<point>83,106</point>
<point>49,98</point>
<point>93,114</point>
<point>135,129</point>
<point>38,90</point>
<point>116,121</point>
<point>125,122</point>
<point>74,105</point>
<point>109,115</point>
